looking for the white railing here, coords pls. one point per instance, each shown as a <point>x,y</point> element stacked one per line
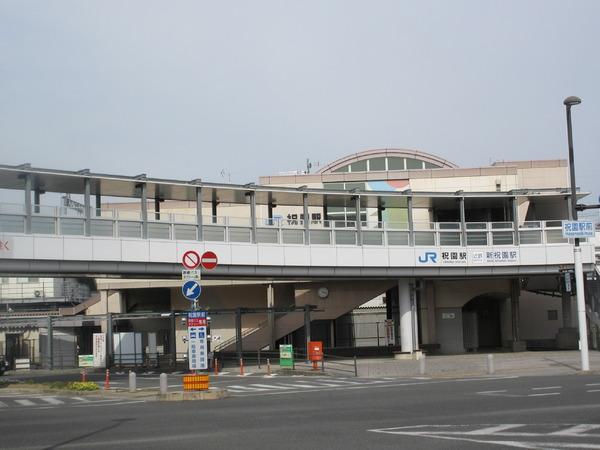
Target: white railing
<point>49,220</point>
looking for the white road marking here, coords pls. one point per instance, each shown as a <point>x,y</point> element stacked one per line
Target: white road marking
<point>492,392</point>
<point>3,405</point>
<point>25,402</point>
<point>246,374</point>
<point>95,404</point>
<point>52,400</point>
<point>544,395</point>
<point>494,429</point>
<point>80,399</point>
<point>543,388</point>
<point>594,390</point>
<point>593,384</point>
<point>223,373</point>
<point>302,386</point>
<point>236,388</point>
<point>270,386</point>
<point>576,430</point>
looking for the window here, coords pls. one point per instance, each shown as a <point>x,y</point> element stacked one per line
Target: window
<point>4,280</point>
<point>342,169</point>
<point>552,314</point>
<point>376,164</point>
<point>359,166</point>
<point>413,164</point>
<point>429,165</point>
<point>395,163</point>
<point>33,280</point>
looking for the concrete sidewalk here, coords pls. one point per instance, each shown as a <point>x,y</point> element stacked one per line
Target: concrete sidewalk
<point>522,364</point>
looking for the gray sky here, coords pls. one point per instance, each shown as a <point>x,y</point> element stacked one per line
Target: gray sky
<point>186,89</point>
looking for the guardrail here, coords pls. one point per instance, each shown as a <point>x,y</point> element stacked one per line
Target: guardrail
<point>173,226</point>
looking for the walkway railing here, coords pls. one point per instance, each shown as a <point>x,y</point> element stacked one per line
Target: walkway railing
<point>174,226</point>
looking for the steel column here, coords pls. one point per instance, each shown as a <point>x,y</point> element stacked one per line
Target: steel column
<point>199,231</point>
<point>87,188</point>
<point>49,344</point>
<point>252,195</point>
<point>306,327</point>
<point>463,222</point>
<point>238,333</point>
<point>306,218</point>
<point>144,201</point>
<point>358,221</point>
<point>28,183</point>
<point>411,223</point>
<point>515,217</point>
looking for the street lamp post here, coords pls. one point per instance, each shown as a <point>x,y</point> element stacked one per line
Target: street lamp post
<point>581,313</point>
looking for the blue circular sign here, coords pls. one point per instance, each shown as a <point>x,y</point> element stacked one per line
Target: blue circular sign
<point>191,290</point>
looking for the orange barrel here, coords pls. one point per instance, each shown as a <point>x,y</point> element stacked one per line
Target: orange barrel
<point>195,382</point>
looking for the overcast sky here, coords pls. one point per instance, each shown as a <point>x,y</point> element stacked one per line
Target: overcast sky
<point>184,90</point>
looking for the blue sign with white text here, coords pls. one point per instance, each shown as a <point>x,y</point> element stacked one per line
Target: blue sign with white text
<point>191,290</point>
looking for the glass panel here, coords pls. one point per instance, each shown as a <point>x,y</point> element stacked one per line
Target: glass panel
<point>341,169</point>
<point>12,224</point>
<point>476,225</point>
<point>267,235</point>
<point>42,225</point>
<point>501,225</point>
<point>424,238</point>
<point>450,239</point>
<point>429,165</point>
<point>449,225</point>
<point>159,231</point>
<point>72,227</point>
<point>360,186</point>
<point>555,237</point>
<point>211,233</point>
<point>185,232</point>
<point>395,163</point>
<point>376,164</point>
<point>130,229</point>
<point>102,228</point>
<point>476,238</point>
<point>530,237</point>
<point>397,238</point>
<point>240,235</point>
<point>413,164</point>
<point>502,238</point>
<point>334,186</point>
<point>372,238</point>
<point>345,237</point>
<point>359,166</point>
<point>292,236</point>
<point>320,237</point>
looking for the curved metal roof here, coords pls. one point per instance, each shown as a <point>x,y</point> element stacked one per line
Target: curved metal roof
<point>397,152</point>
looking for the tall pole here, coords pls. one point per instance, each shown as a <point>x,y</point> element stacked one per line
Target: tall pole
<point>581,313</point>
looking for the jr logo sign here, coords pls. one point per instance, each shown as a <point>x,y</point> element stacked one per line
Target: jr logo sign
<point>428,257</point>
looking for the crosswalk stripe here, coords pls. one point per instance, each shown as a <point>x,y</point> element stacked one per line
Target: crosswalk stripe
<point>52,400</point>
<point>3,405</point>
<point>244,388</point>
<point>495,429</point>
<point>307,386</point>
<point>575,430</point>
<point>25,402</point>
<point>80,399</point>
<point>321,384</point>
<point>271,386</point>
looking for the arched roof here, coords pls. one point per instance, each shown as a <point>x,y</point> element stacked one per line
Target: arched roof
<point>383,152</point>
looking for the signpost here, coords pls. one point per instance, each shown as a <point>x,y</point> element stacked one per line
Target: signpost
<point>577,229</point>
<point>209,260</point>
<point>197,340</point>
<point>191,290</point>
<point>190,259</point>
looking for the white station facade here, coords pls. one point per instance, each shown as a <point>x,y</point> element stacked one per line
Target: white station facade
<point>446,259</point>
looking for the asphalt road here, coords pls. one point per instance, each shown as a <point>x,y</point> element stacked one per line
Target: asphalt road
<point>537,412</point>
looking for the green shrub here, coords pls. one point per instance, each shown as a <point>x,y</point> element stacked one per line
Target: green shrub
<point>82,386</point>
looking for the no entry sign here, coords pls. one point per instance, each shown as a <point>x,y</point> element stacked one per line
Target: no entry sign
<point>190,259</point>
<point>209,260</point>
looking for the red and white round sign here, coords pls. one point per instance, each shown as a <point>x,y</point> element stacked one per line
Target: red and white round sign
<point>209,260</point>
<point>190,259</point>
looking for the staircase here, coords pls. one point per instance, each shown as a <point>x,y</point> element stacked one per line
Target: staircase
<point>343,298</point>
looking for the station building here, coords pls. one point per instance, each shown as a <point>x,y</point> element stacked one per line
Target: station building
<point>449,259</point>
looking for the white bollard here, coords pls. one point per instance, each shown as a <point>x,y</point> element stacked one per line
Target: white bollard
<point>422,365</point>
<point>132,381</point>
<point>490,364</point>
<point>163,384</point>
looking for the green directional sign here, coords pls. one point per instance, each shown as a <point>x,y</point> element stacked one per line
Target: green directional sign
<point>286,356</point>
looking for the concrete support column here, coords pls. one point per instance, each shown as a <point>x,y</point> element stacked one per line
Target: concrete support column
<point>463,221</point>
<point>411,222</point>
<point>271,316</point>
<point>358,221</point>
<point>87,192</point>
<point>515,292</point>
<point>332,333</point>
<point>199,231</point>
<point>28,183</point>
<point>238,333</point>
<point>306,218</point>
<point>252,196</point>
<point>566,302</point>
<point>414,315</point>
<point>429,300</point>
<point>406,316</point>
<point>515,215</point>
<point>36,200</point>
<point>144,204</point>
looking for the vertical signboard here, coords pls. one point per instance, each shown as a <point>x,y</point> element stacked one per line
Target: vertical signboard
<point>286,356</point>
<point>197,340</point>
<point>99,349</point>
<point>389,332</point>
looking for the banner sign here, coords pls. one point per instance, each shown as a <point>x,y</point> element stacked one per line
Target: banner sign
<point>99,350</point>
